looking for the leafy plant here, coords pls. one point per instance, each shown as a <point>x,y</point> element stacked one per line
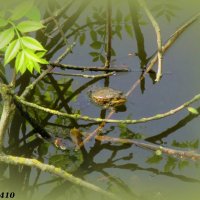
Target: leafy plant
<point>15,44</point>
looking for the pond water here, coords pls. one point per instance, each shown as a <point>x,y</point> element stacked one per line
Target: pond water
<point>126,170</point>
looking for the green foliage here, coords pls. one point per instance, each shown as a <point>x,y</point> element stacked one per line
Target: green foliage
<point>27,51</point>
<point>126,133</point>
<point>69,161</point>
<point>165,8</point>
<point>154,159</point>
<point>193,110</point>
<point>186,144</point>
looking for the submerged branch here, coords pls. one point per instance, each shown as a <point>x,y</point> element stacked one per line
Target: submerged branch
<point>88,68</point>
<point>84,75</point>
<point>53,170</point>
<point>153,147</point>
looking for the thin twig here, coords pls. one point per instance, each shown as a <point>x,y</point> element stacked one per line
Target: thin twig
<point>159,39</point>
<point>88,68</point>
<point>53,170</point>
<point>84,75</point>
<point>129,121</point>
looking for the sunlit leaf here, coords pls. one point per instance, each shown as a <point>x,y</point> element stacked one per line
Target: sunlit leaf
<point>30,65</point>
<point>31,55</point>
<point>193,110</point>
<point>96,45</point>
<point>32,43</point>
<point>6,36</point>
<point>41,54</point>
<point>12,51</point>
<point>20,61</point>
<point>29,26</point>
<point>37,67</point>
<point>21,10</point>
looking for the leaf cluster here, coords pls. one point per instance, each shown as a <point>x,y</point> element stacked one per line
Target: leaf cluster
<point>15,42</point>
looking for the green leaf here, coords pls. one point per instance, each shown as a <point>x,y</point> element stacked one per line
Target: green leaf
<point>96,45</point>
<point>193,110</point>
<point>5,37</point>
<point>12,51</point>
<point>82,39</point>
<point>129,30</point>
<point>95,59</point>
<point>158,152</point>
<point>32,43</point>
<point>34,14</point>
<point>31,55</point>
<point>3,22</point>
<point>93,35</point>
<point>102,59</point>
<point>119,16</point>
<point>29,26</point>
<point>94,54</point>
<point>37,67</point>
<point>20,61</point>
<point>41,54</point>
<point>21,10</point>
<point>30,65</point>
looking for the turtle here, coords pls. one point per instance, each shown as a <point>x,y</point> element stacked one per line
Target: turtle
<point>108,97</point>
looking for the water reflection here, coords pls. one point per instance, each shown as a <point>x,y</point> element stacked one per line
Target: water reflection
<point>111,166</point>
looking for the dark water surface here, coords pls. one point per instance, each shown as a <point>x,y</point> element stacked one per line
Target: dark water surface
<point>128,171</point>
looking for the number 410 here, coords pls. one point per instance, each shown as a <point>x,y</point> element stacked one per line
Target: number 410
<point>7,195</point>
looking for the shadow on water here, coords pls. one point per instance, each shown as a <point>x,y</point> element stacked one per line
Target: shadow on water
<point>126,170</point>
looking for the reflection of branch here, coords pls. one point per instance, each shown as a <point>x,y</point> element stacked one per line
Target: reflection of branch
<point>57,13</point>
<point>88,68</point>
<point>179,125</point>
<point>166,46</point>
<point>85,75</point>
<point>153,147</point>
<point>87,118</point>
<point>53,170</point>
<point>109,34</point>
<point>138,33</point>
<point>159,39</point>
<point>151,64</point>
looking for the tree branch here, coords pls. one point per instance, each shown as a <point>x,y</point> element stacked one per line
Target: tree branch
<point>53,170</point>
